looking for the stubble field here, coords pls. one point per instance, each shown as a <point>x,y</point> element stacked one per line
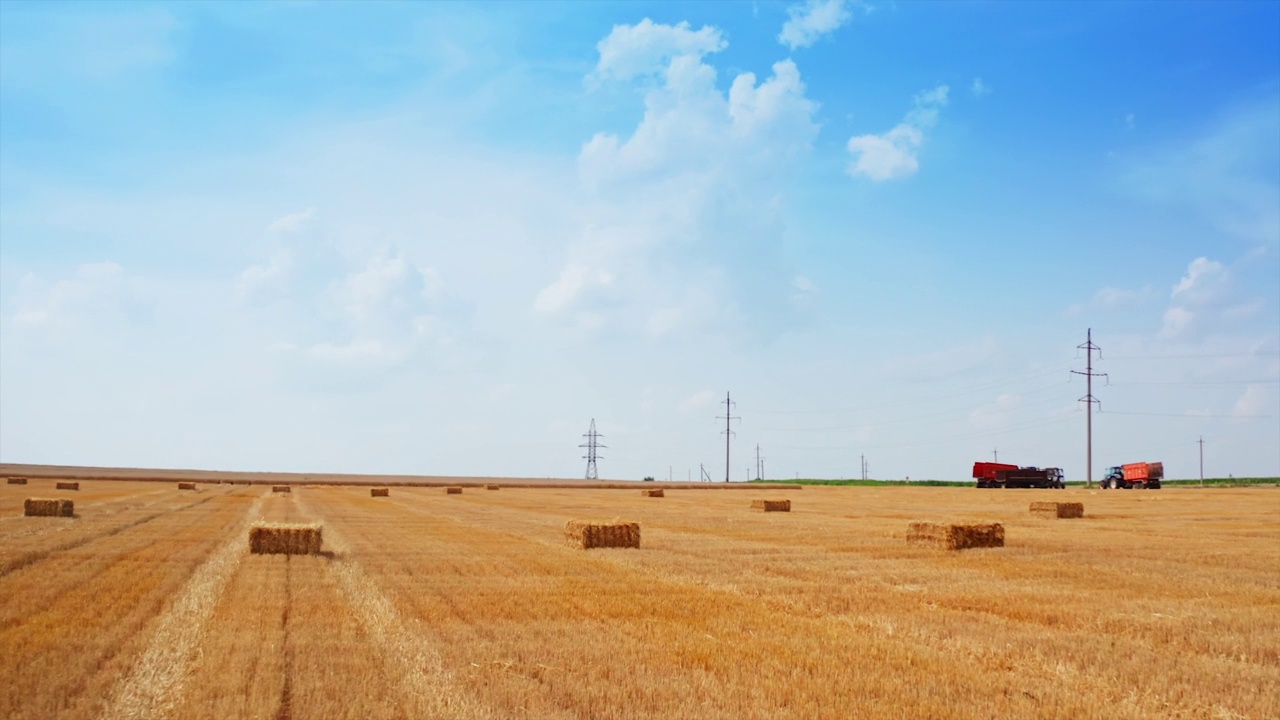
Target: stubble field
<point>425,605</point>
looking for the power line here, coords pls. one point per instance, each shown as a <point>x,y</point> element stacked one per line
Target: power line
<point>931,398</point>
<point>1089,400</point>
<point>1198,382</point>
<point>1187,415</point>
<point>592,444</point>
<point>1196,357</point>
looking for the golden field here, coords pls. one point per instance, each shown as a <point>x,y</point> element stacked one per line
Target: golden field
<point>148,604</point>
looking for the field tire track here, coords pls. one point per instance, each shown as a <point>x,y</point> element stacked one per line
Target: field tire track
<point>153,687</point>
<point>28,559</point>
<point>427,685</point>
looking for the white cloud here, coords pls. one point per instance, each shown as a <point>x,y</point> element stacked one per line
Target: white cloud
<point>292,222</point>
<point>1109,298</point>
<point>1206,299</point>
<point>807,23</point>
<point>575,279</point>
<point>648,47</point>
<point>1130,121</point>
<point>703,165</point>
<point>94,294</point>
<point>1253,402</point>
<point>259,280</point>
<point>893,155</point>
<point>689,125</point>
<point>979,88</point>
<point>697,400</point>
<point>1206,281</point>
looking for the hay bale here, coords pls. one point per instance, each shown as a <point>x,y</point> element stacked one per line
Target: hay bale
<point>379,492</point>
<point>453,490</point>
<point>492,487</point>
<point>186,486</point>
<point>45,507</point>
<point>956,537</point>
<point>587,535</point>
<point>68,486</point>
<point>654,492</point>
<point>771,505</point>
<point>281,488</point>
<point>17,481</point>
<point>285,538</point>
<point>1058,509</point>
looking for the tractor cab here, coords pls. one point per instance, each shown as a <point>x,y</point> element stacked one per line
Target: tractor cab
<point>1114,478</point>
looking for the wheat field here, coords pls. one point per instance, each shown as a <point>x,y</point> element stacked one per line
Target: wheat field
<point>427,605</point>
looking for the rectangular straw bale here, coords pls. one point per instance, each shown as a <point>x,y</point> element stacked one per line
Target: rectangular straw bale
<point>956,537</point>
<point>68,486</point>
<point>492,486</point>
<point>453,490</point>
<point>379,492</point>
<point>1058,509</point>
<point>586,535</point>
<point>281,488</point>
<point>771,505</point>
<point>652,492</point>
<point>285,538</point>
<point>45,507</point>
<point>17,481</point>
<point>186,486</point>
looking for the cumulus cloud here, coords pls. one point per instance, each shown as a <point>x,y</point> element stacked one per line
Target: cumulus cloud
<point>702,165</point>
<point>575,279</point>
<point>1108,298</point>
<point>807,23</point>
<point>690,124</point>
<point>259,281</point>
<point>893,154</point>
<point>648,48</point>
<point>979,88</point>
<point>1253,402</point>
<point>292,222</point>
<point>95,293</point>
<point>1207,297</point>
<point>697,400</point>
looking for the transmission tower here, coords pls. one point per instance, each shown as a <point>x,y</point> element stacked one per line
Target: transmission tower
<point>1089,400</point>
<point>592,445</point>
<point>728,431</point>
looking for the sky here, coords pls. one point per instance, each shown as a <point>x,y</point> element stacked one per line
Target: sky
<point>442,238</point>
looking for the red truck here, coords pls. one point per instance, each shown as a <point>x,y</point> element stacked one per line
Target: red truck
<point>1001,475</point>
<point>1141,475</point>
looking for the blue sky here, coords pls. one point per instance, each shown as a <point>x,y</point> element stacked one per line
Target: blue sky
<point>442,238</point>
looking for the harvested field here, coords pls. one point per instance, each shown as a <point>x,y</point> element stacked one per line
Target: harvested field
<point>379,492</point>
<point>656,492</point>
<point>475,608</point>
<point>186,486</point>
<point>1058,509</point>
<point>45,507</point>
<point>17,481</point>
<point>281,489</point>
<point>771,505</point>
<point>587,535</point>
<point>68,486</point>
<point>956,537</point>
<point>492,486</point>
<point>453,490</point>
<point>285,539</point>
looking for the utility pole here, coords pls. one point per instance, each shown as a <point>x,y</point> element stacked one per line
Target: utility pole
<point>1089,400</point>
<point>995,454</point>
<point>592,444</point>
<point>759,463</point>
<point>728,431</point>
<point>1200,442</point>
